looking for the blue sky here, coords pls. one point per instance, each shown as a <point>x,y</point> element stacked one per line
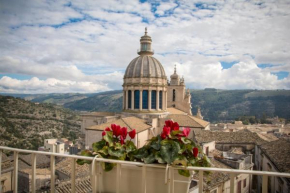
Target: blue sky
<point>85,46</point>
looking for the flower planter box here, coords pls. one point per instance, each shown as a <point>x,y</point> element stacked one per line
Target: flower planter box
<point>131,181</point>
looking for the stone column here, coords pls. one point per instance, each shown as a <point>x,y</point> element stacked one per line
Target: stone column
<point>140,100</point>
<point>127,99</point>
<point>149,100</point>
<point>157,99</point>
<point>124,99</point>
<point>132,99</point>
<point>163,101</point>
<point>165,107</point>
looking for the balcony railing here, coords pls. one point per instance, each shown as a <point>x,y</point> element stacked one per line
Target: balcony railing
<point>232,172</point>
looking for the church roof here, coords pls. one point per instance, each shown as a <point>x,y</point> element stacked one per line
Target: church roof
<point>129,122</point>
<point>279,153</point>
<point>188,121</point>
<point>145,66</point>
<point>175,111</point>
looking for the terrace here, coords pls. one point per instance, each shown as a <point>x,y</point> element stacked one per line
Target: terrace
<point>171,181</point>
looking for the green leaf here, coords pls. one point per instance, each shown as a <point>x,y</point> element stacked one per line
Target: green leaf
<point>85,153</point>
<point>169,151</point>
<point>184,173</point>
<point>116,152</point>
<point>109,138</point>
<point>104,150</point>
<point>141,153</point>
<point>156,144</point>
<point>181,159</point>
<point>173,133</point>
<point>159,158</point>
<point>130,146</point>
<point>149,159</point>
<point>98,145</point>
<point>107,166</point>
<point>185,140</point>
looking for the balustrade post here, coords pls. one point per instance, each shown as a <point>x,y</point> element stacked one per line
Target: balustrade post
<point>15,176</point>
<point>33,180</point>
<point>200,181</point>
<point>52,173</point>
<point>265,184</point>
<point>0,169</point>
<point>73,175</point>
<point>232,183</point>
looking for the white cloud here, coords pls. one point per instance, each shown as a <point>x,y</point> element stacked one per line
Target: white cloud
<point>94,41</point>
<point>51,85</point>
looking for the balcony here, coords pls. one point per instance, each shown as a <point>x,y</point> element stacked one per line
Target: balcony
<point>195,185</point>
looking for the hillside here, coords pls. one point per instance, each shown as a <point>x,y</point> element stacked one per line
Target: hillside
<point>216,105</point>
<point>25,124</point>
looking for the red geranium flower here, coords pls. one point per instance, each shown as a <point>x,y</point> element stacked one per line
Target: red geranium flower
<point>163,136</point>
<point>195,151</point>
<point>108,129</point>
<point>121,140</point>
<point>172,125</point>
<point>132,134</point>
<point>124,132</point>
<point>103,133</point>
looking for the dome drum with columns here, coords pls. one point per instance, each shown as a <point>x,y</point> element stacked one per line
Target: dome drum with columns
<point>145,82</point>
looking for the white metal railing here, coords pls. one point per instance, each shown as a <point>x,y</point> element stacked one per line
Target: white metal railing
<point>232,172</point>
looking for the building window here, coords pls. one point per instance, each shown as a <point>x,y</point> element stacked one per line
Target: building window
<point>173,95</point>
<point>153,99</point>
<point>129,98</point>
<point>144,47</point>
<point>145,99</point>
<point>136,99</point>
<point>245,183</point>
<point>160,99</point>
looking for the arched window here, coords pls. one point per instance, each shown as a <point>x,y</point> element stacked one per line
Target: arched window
<point>136,99</point>
<point>173,96</point>
<point>153,99</point>
<point>160,99</point>
<point>145,99</point>
<point>129,98</point>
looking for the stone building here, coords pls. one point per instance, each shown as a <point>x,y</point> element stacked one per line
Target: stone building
<point>148,100</point>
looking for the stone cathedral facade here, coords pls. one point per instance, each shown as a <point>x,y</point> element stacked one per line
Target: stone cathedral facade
<point>149,99</point>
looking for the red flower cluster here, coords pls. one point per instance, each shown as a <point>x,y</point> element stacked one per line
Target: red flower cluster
<point>173,126</point>
<point>119,131</point>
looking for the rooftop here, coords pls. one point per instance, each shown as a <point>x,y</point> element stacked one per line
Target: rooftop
<point>188,120</point>
<point>82,186</point>
<point>279,153</point>
<point>129,122</point>
<point>65,167</point>
<point>173,110</point>
<point>243,136</point>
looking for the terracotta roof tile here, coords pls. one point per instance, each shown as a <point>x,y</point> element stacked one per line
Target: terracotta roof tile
<point>65,167</point>
<point>129,122</point>
<point>279,153</point>
<point>243,136</point>
<point>188,121</point>
<point>82,186</point>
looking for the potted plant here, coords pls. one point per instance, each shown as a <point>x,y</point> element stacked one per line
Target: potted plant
<point>171,147</point>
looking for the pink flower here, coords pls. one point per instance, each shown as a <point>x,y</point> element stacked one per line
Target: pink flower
<point>132,134</point>
<point>195,151</point>
<point>186,132</point>
<point>103,133</point>
<point>124,132</point>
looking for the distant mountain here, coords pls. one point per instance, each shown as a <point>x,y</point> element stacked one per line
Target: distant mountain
<point>110,101</point>
<point>216,105</point>
<point>25,125</point>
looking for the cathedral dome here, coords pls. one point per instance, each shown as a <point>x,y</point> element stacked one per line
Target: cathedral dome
<point>145,66</point>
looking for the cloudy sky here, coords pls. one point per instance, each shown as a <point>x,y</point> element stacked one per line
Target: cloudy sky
<point>85,46</point>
